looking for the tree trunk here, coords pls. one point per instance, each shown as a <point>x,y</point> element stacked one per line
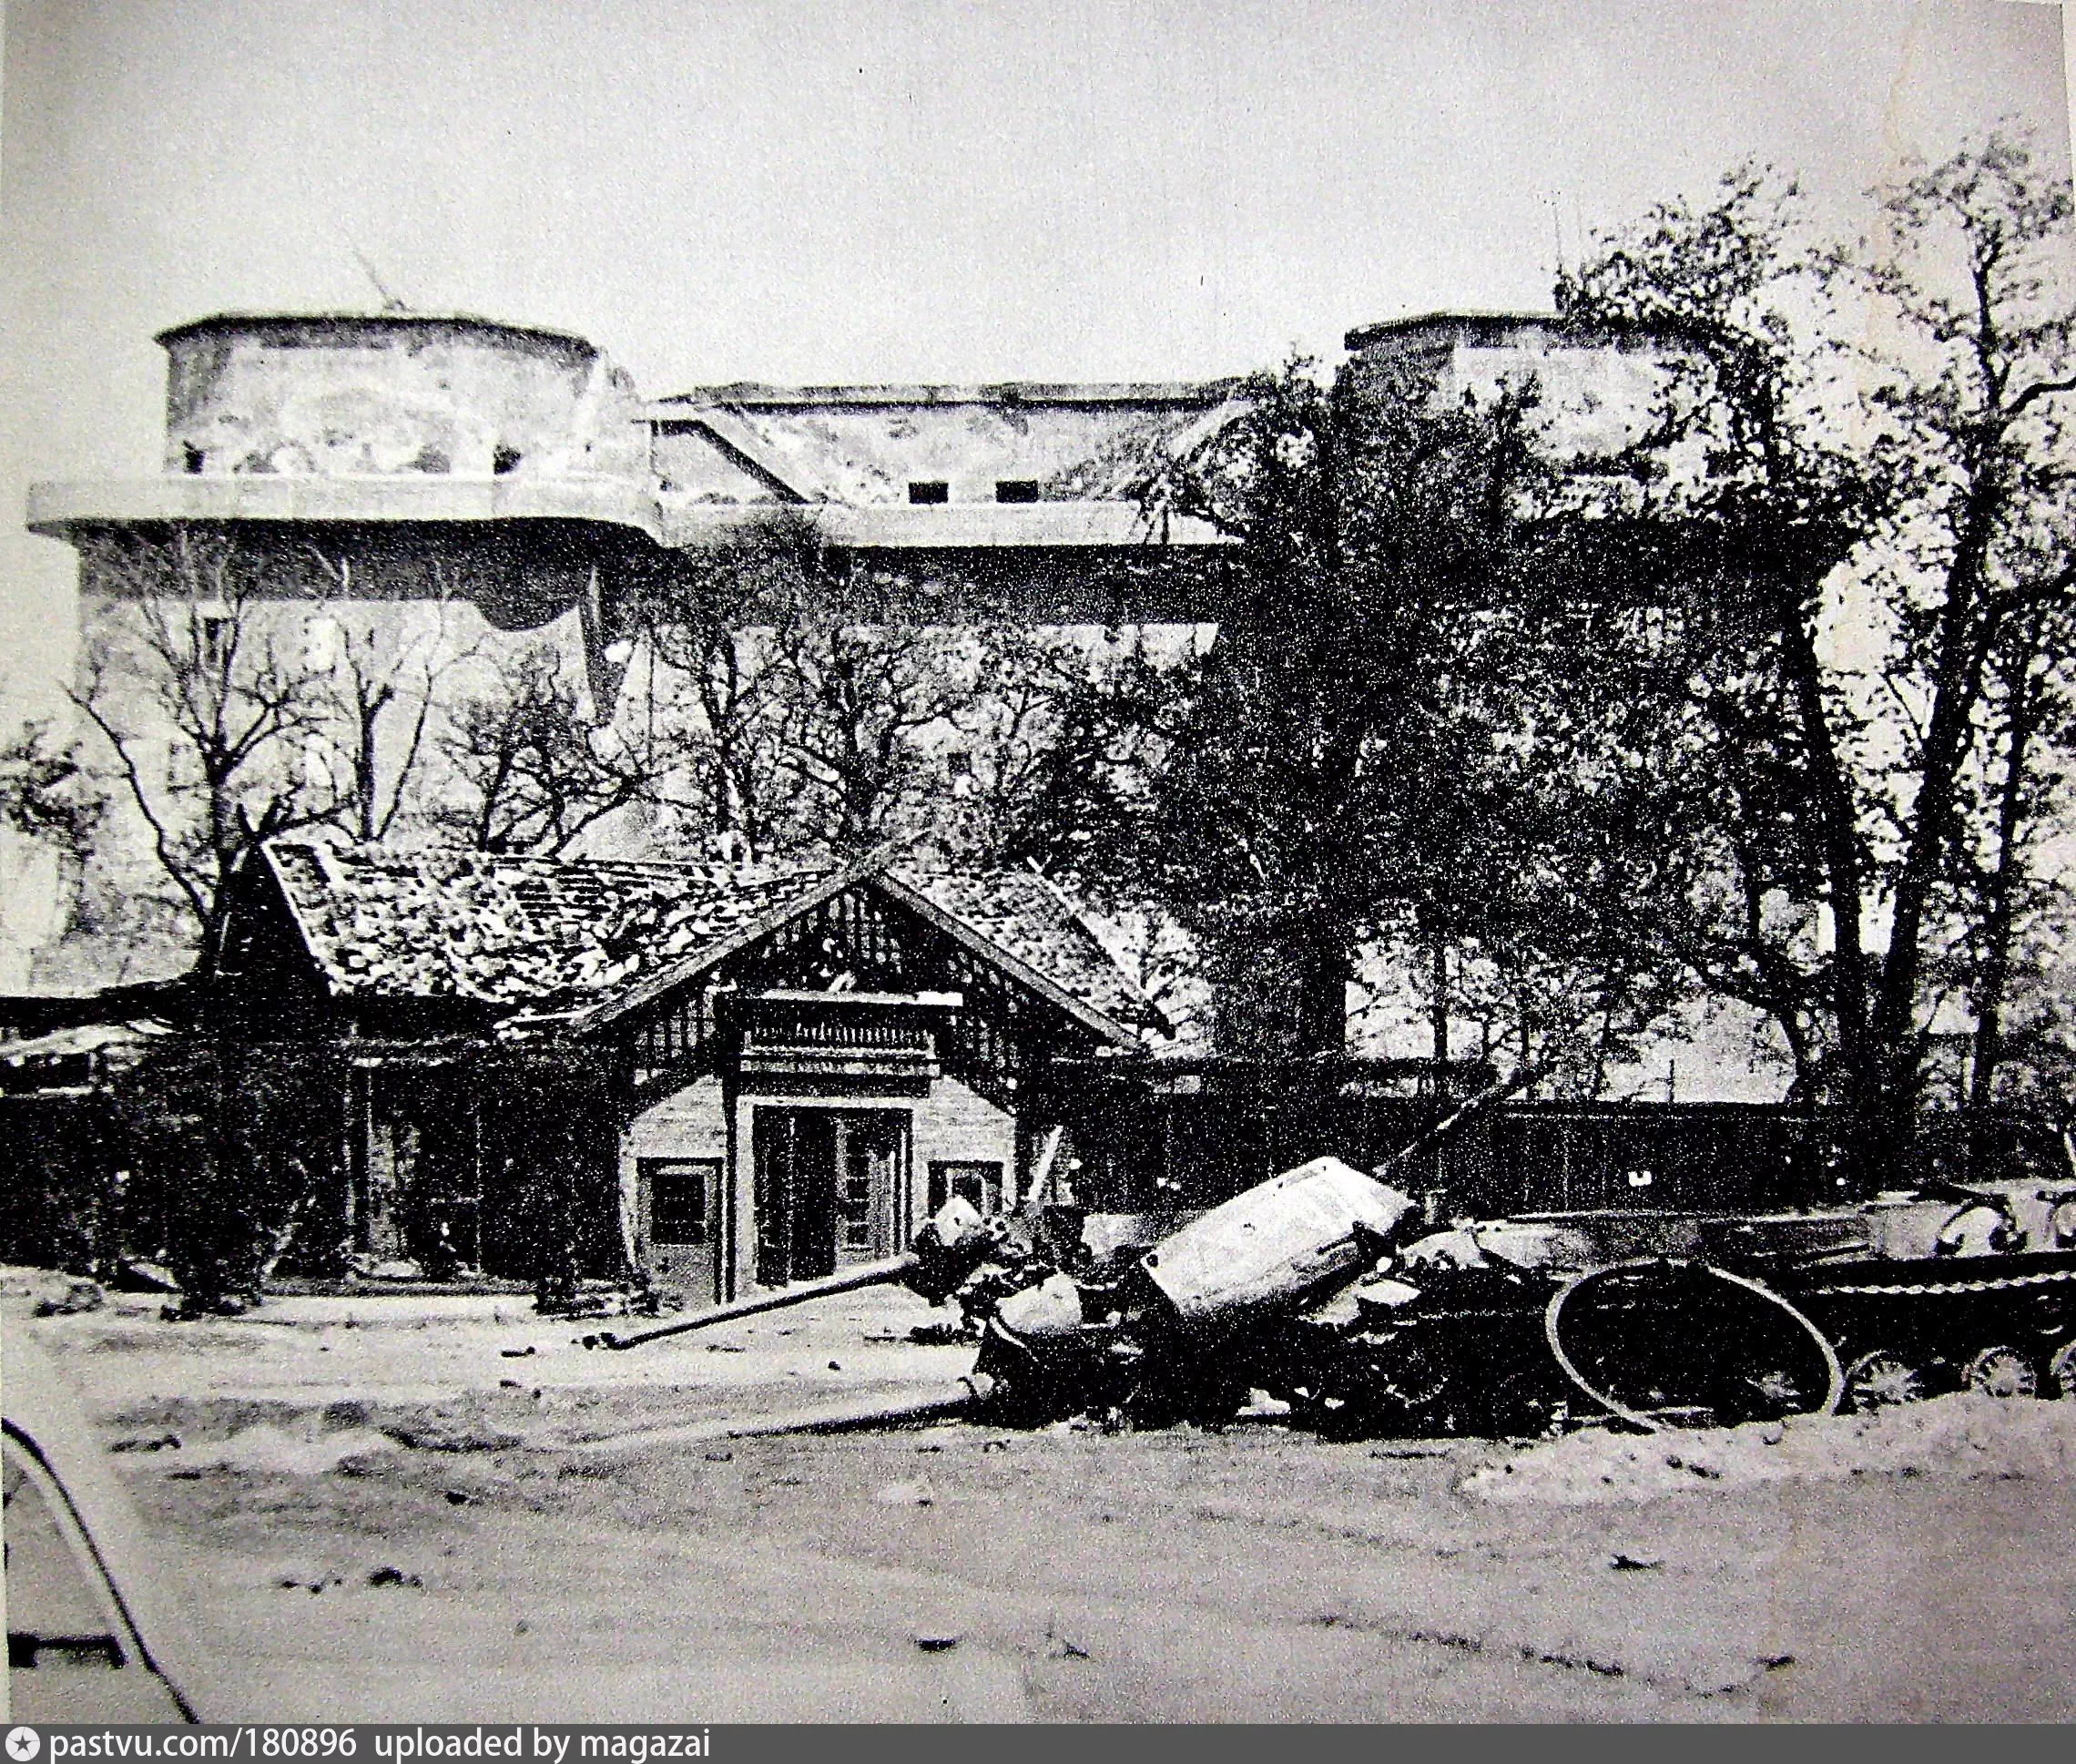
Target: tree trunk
<point>1437,1000</point>
<point>365,777</point>
<point>1958,682</point>
<point>1328,969</point>
<point>2005,878</point>
<point>1839,835</point>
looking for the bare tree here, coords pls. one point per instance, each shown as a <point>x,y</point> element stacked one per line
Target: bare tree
<point>858,701</point>
<point>720,623</point>
<point>383,671</point>
<point>210,714</point>
<point>534,771</point>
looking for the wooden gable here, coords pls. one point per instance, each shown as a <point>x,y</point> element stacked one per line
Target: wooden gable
<point>871,972</point>
<point>259,976</point>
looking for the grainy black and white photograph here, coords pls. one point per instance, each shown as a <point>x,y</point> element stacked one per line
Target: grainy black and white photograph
<point>919,860</point>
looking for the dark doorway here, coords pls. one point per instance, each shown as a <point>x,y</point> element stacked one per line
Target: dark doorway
<point>828,1188</point>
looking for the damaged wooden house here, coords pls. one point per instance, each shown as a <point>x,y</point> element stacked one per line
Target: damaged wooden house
<point>701,1076</point>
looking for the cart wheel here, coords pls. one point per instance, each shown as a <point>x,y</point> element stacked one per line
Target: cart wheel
<point>1882,1379</point>
<point>2061,1372</point>
<point>2002,1372</point>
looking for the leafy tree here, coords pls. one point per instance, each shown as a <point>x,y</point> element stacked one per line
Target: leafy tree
<point>2030,705</point>
<point>1397,742</point>
<point>48,791</point>
<point>1937,470</point>
<point>230,1148</point>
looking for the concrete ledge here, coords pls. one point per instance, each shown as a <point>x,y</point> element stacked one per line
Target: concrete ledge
<point>945,526</point>
<point>55,510</point>
<point>58,510</point>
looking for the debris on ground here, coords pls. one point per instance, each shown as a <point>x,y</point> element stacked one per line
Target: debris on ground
<point>267,1450</point>
<point>915,1493</point>
<point>1962,1435</point>
<point>133,1275</point>
<point>442,1435</point>
<point>387,1575</point>
<point>936,1641</point>
<point>150,1442</point>
<point>1058,1648</point>
<point>79,1297</point>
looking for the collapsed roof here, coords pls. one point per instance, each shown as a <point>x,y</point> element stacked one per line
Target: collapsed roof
<point>533,933</point>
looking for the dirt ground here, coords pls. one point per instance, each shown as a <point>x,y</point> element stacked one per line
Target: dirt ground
<point>415,1509</point>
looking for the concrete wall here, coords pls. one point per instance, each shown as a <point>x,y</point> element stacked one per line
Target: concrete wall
<point>390,394</point>
<point>867,448</point>
<point>1599,388</point>
<point>36,886</point>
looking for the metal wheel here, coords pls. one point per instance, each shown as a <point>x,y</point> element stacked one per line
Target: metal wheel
<point>2002,1372</point>
<point>1776,1390</point>
<point>1660,1387</point>
<point>2061,1372</point>
<point>1882,1379</point>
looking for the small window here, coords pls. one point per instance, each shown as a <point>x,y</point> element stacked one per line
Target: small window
<point>504,461</point>
<point>678,1189</point>
<point>959,763</point>
<point>216,641</point>
<point>193,458</point>
<point>929,490</point>
<point>975,1182</point>
<point>1016,490</point>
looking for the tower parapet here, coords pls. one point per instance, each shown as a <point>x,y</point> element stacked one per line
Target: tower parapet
<point>390,394</point>
<point>1601,385</point>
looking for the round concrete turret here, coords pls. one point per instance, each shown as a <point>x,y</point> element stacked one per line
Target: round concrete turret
<point>394,393</point>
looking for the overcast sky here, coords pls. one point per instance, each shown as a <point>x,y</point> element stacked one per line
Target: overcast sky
<point>885,190</point>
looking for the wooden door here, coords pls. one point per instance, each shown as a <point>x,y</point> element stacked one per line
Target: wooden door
<point>828,1185</point>
<point>679,1201</point>
<point>870,1154</point>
